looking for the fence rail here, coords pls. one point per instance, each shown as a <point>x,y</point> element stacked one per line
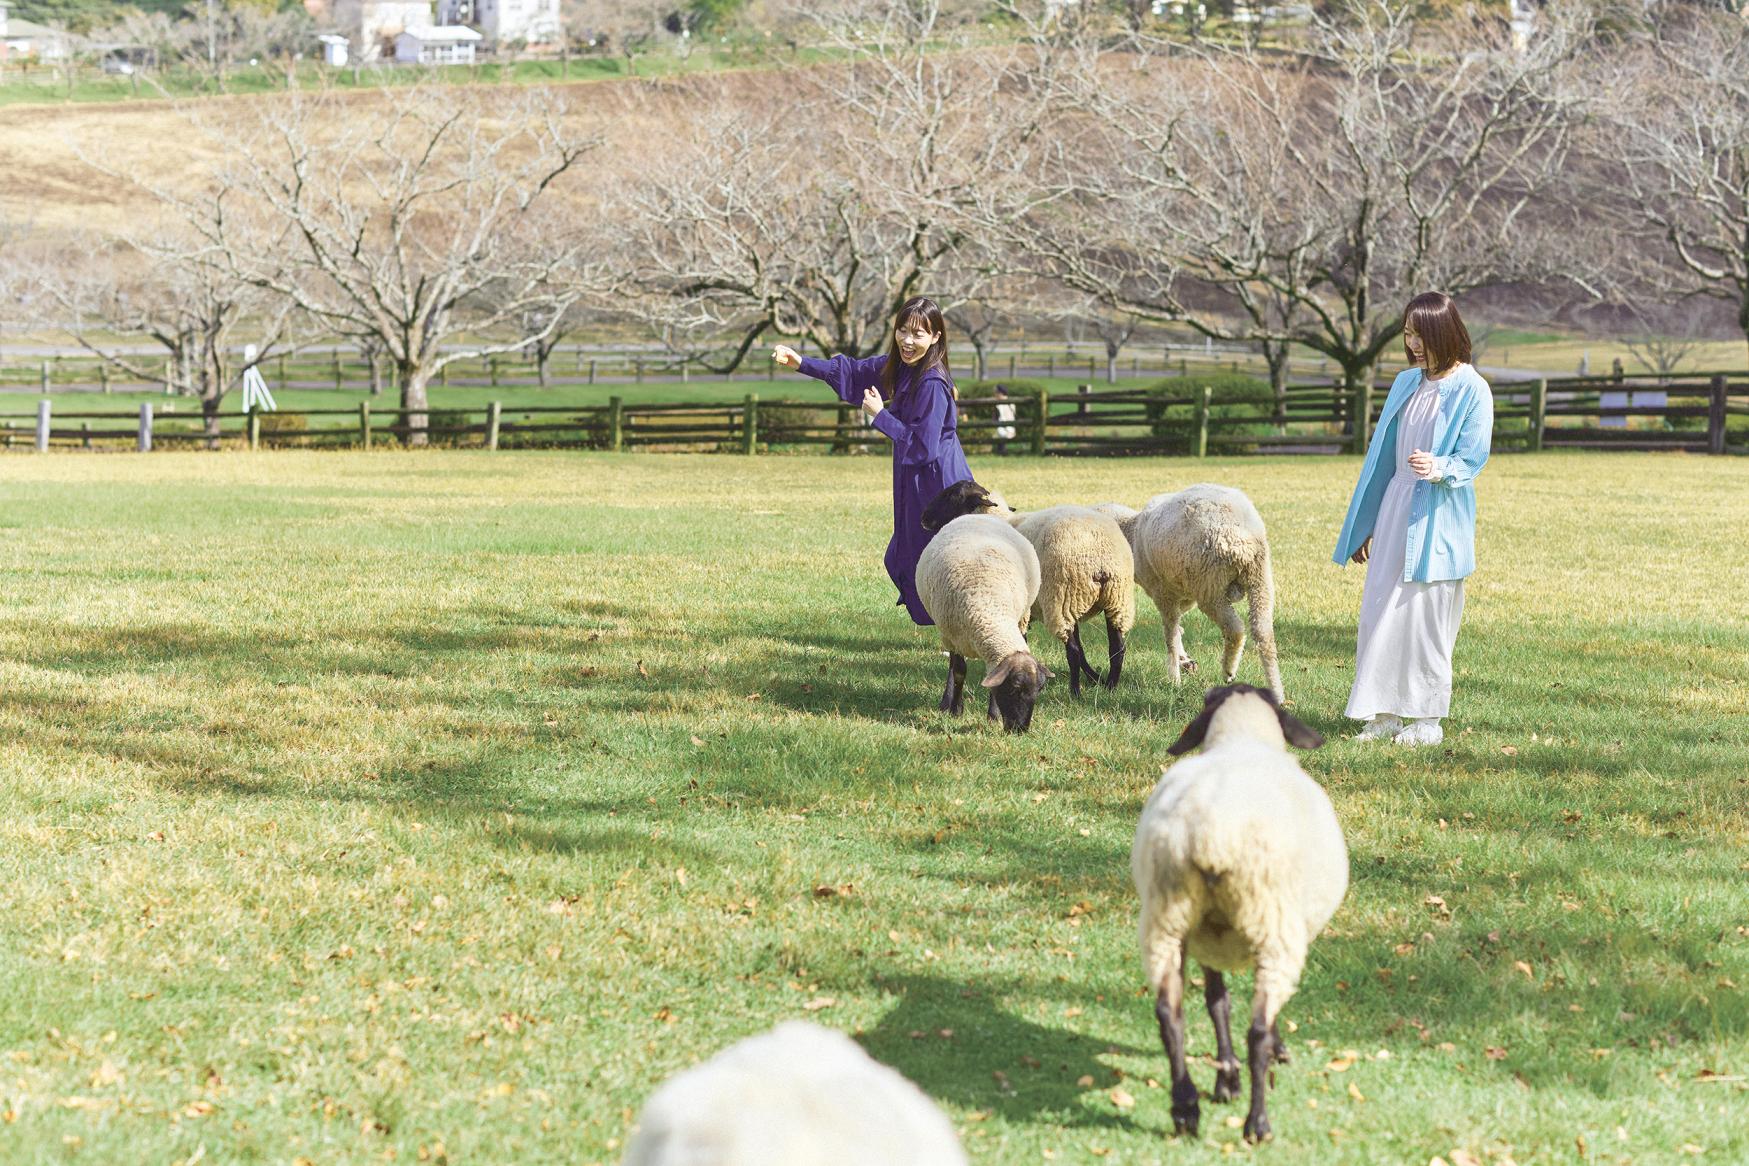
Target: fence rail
<point>1707,413</point>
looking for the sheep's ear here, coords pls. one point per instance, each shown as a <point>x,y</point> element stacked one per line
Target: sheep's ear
<point>1194,732</point>
<point>997,674</point>
<point>1299,734</point>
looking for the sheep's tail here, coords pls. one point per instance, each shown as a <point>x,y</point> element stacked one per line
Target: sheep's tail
<point>1257,582</point>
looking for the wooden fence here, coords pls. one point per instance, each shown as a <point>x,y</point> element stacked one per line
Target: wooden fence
<point>1708,413</point>
<point>348,369</point>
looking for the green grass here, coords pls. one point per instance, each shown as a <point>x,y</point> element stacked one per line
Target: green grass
<point>359,804</point>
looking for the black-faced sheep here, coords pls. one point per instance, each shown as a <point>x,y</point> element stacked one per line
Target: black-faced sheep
<point>1239,862</point>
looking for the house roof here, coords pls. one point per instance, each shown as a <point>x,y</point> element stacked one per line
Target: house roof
<point>21,29</point>
<point>442,34</point>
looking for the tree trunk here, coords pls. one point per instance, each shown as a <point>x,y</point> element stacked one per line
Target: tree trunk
<point>980,350</point>
<point>417,419</point>
<point>1111,364</point>
<point>376,375</point>
<point>209,415</point>
<point>543,355</point>
<point>1275,355</point>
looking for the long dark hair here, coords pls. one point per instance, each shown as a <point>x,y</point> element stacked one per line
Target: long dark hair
<point>916,310</point>
<point>1445,342</point>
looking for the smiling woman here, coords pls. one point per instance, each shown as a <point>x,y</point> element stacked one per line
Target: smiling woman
<point>907,393</point>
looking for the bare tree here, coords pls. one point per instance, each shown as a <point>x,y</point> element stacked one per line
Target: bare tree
<point>819,214</point>
<point>631,28</point>
<point>167,286</point>
<point>1303,200</point>
<point>427,221</point>
<point>1676,141</point>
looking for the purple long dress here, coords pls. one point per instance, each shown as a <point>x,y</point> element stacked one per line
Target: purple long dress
<point>927,458</point>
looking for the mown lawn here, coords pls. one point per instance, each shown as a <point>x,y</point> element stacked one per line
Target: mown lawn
<point>433,807</point>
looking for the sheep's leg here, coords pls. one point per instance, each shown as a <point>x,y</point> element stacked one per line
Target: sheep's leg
<point>1169,1011</point>
<point>1172,621</point>
<point>1078,665</point>
<point>1115,648</point>
<point>1280,1056</point>
<point>1220,1006</point>
<point>953,699</point>
<point>1278,971</point>
<point>1233,633</point>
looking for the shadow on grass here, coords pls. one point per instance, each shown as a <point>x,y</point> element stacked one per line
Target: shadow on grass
<point>992,1059</point>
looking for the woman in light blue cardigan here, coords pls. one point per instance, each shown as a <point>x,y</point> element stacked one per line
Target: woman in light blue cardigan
<point>1412,520</point>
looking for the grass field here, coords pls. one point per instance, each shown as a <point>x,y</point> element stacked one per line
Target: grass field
<point>433,807</point>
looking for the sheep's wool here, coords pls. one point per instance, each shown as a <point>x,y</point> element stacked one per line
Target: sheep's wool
<point>799,1095</point>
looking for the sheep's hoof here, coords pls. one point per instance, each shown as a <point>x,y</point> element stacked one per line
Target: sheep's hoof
<point>1187,664</point>
<point>1279,1053</point>
<point>1185,1126</point>
<point>1226,1083</point>
<point>1257,1128</point>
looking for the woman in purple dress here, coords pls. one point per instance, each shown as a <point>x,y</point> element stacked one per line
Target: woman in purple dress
<point>908,394</point>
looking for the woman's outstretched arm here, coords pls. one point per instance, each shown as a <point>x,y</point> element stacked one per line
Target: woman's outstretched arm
<point>845,375</point>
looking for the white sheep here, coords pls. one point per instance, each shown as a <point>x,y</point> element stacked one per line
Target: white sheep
<point>978,579</point>
<point>800,1095</point>
<point>1205,546</point>
<point>1085,564</point>
<point>1240,863</point>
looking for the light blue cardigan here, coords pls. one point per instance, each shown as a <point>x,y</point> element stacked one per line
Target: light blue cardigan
<point>1442,512</point>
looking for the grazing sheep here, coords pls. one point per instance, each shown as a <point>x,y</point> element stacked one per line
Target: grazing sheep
<point>1205,545</point>
<point>1085,566</point>
<point>800,1095</point>
<point>978,579</point>
<point>1239,862</point>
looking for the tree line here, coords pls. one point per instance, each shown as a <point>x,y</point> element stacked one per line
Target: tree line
<point>1091,170</point>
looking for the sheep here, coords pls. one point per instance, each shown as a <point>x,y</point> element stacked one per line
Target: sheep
<point>1239,862</point>
<point>1205,545</point>
<point>1085,566</point>
<point>978,579</point>
<point>801,1095</point>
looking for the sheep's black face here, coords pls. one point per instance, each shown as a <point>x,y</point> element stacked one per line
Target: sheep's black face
<point>956,501</point>
<point>1016,683</point>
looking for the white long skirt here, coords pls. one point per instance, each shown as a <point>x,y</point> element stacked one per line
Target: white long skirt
<point>1402,661</point>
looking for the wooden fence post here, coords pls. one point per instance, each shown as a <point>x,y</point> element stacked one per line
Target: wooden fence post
<point>364,425</point>
<point>592,370</point>
<point>254,427</point>
<point>1082,391</point>
<point>1539,412</point>
<point>1041,422</point>
<point>1010,366</point>
<point>337,369</point>
<point>1363,417</point>
<point>616,420</point>
<point>1199,446</point>
<point>843,427</point>
<point>750,424</point>
<point>494,412</point>
<point>45,376</point>
<point>1092,367</point>
<point>103,376</point>
<point>145,441</point>
<point>492,369</point>
<point>85,434</point>
<point>1715,416</point>
<point>42,424</point>
<point>1050,364</point>
<point>638,366</point>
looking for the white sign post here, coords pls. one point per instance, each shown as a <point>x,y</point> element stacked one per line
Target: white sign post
<point>255,392</point>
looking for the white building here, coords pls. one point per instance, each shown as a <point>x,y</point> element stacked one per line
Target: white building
<point>534,22</point>
<point>374,24</point>
<point>25,39</point>
<point>334,49</point>
<point>442,44</point>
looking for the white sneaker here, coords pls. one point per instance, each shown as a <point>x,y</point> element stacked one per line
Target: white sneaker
<point>1381,726</point>
<point>1421,731</point>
